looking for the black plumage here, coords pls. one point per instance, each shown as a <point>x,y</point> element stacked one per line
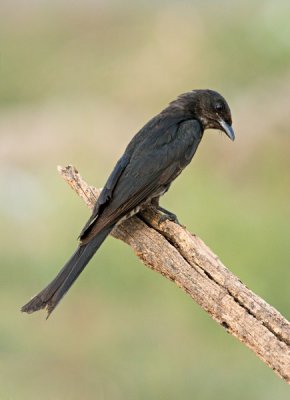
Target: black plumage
<point>152,160</point>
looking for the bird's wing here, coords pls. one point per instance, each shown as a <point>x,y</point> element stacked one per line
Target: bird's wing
<point>107,191</point>
<point>152,167</point>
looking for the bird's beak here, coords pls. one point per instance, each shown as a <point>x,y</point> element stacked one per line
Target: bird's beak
<point>227,129</point>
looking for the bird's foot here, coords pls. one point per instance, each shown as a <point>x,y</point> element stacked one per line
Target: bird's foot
<point>167,216</point>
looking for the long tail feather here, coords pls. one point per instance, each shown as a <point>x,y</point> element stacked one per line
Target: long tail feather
<point>50,296</point>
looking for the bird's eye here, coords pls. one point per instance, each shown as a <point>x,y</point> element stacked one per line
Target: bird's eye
<point>219,107</point>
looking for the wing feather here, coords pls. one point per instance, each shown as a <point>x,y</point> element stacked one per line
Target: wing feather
<point>141,177</point>
<point>106,193</point>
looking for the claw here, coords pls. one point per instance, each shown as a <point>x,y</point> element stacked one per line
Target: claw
<point>167,215</point>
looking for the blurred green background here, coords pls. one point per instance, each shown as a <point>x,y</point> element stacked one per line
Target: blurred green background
<point>78,79</point>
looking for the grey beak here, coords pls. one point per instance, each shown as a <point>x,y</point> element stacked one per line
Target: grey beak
<point>227,129</point>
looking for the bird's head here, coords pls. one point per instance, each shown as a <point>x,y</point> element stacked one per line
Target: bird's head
<point>210,108</point>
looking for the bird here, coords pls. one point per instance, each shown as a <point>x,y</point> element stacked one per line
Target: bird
<point>154,157</point>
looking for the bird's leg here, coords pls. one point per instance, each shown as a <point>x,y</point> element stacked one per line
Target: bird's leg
<point>167,215</point>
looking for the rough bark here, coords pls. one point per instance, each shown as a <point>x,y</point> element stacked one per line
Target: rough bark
<point>182,257</point>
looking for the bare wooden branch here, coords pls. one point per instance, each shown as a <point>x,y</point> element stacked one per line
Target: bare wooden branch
<point>183,258</point>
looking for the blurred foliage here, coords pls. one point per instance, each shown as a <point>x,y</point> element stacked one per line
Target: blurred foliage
<point>77,80</point>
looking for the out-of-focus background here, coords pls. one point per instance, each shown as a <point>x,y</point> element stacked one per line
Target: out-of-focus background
<point>78,79</point>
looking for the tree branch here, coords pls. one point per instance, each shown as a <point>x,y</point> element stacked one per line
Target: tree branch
<point>183,258</point>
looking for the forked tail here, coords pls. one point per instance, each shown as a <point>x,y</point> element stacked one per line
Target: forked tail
<point>50,296</point>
